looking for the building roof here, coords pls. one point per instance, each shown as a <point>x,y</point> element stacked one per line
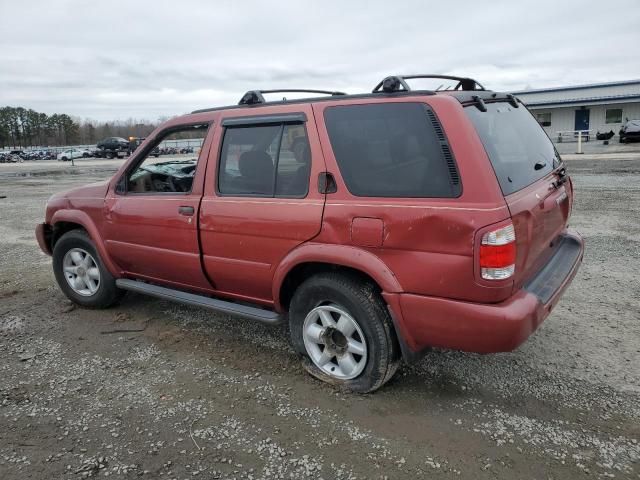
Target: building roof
<point>596,93</point>
<point>580,87</point>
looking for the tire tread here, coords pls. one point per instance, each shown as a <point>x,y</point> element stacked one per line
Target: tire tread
<point>108,294</point>
<point>365,295</point>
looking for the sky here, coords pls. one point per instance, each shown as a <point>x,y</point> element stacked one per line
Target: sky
<point>147,59</point>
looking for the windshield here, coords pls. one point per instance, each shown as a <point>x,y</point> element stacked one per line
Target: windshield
<point>519,149</point>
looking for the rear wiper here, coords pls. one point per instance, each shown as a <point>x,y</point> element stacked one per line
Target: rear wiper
<point>562,177</point>
<point>540,165</point>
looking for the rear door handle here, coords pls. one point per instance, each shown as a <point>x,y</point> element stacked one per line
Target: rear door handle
<point>186,211</point>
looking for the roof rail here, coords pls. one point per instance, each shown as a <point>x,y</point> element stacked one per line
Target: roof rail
<point>397,83</point>
<point>253,97</point>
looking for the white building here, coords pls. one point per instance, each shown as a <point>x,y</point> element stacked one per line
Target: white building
<point>600,107</point>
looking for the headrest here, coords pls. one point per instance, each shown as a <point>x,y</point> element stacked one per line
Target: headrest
<point>255,164</point>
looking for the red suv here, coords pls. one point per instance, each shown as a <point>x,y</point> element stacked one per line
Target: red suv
<point>375,225</point>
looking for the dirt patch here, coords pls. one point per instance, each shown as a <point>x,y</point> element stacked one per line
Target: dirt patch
<point>153,389</point>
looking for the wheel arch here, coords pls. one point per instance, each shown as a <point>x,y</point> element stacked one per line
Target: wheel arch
<point>64,221</point>
<point>310,259</point>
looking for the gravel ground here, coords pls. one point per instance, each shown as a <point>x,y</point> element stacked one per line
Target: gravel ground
<point>158,390</point>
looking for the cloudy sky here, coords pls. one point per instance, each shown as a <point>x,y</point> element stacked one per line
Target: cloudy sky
<point>146,59</point>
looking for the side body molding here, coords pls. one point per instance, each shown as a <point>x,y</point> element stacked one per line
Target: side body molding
<point>344,255</point>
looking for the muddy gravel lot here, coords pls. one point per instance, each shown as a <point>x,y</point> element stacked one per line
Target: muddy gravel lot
<point>152,389</point>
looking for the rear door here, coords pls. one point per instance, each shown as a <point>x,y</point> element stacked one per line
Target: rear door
<point>529,171</point>
<point>261,197</point>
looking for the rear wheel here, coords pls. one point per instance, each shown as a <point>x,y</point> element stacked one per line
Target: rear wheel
<point>81,274</point>
<point>342,329</point>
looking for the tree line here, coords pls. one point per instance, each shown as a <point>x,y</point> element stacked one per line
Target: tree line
<point>23,127</point>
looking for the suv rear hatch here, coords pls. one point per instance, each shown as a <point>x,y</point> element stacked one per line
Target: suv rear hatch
<point>532,177</point>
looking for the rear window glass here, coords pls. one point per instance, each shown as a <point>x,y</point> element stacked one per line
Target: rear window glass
<point>392,150</point>
<point>519,149</point>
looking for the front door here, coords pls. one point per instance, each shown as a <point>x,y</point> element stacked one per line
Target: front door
<point>151,228</point>
<point>261,197</point>
<point>582,119</point>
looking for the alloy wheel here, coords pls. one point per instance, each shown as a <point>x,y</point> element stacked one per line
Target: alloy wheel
<point>81,271</point>
<point>335,342</point>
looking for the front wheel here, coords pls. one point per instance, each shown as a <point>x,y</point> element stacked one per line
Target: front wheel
<point>342,329</point>
<point>80,273</point>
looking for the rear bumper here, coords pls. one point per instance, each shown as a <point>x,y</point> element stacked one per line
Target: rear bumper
<point>485,328</point>
<point>43,235</point>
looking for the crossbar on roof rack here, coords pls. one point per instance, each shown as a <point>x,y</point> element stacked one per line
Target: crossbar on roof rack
<point>253,97</point>
<point>397,83</point>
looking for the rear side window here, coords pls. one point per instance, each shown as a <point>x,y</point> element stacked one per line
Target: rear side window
<point>266,160</point>
<point>519,149</point>
<point>392,150</point>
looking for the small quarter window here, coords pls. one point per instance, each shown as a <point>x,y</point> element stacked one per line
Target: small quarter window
<point>613,115</point>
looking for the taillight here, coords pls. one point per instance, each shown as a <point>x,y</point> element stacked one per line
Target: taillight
<point>498,254</point>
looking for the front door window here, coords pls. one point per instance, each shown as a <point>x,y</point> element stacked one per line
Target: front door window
<point>169,165</point>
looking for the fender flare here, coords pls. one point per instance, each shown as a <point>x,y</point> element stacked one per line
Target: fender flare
<point>82,218</point>
<point>343,255</point>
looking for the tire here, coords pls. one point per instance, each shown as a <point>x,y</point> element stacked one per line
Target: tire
<point>339,294</point>
<point>109,155</point>
<point>97,293</point>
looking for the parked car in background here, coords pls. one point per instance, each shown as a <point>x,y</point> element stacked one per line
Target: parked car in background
<point>377,225</point>
<point>113,143</point>
<point>8,157</point>
<point>113,147</point>
<point>135,142</point>
<point>630,131</point>
<point>72,154</point>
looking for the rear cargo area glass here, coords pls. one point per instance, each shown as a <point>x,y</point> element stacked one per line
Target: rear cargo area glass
<point>392,150</point>
<point>519,149</point>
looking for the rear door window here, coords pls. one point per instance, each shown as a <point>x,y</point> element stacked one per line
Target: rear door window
<point>266,160</point>
<point>519,149</point>
<point>392,150</point>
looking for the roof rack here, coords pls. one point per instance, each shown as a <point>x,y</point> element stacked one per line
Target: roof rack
<point>254,97</point>
<point>397,83</point>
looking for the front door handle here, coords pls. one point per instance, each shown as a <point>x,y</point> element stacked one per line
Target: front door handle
<point>186,211</point>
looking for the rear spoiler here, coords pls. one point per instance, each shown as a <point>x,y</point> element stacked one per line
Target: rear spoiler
<point>479,98</point>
